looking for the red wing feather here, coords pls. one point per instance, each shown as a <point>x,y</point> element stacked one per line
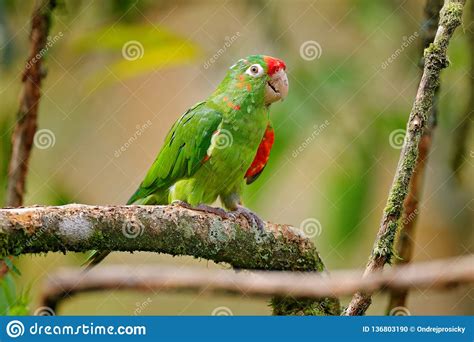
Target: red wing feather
<point>261,158</point>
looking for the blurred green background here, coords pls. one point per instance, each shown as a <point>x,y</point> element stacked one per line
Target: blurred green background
<point>332,161</point>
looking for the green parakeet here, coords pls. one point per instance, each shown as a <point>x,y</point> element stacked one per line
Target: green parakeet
<point>218,144</point>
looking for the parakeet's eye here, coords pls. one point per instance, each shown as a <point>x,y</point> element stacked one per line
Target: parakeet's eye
<point>255,70</point>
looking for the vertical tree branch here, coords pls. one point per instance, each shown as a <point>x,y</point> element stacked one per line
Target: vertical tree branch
<point>435,61</point>
<point>411,207</point>
<point>24,132</point>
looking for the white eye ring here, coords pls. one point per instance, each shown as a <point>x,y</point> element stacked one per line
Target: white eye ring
<point>255,70</point>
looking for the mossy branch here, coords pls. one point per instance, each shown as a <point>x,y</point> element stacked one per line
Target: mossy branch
<point>405,242</point>
<point>435,60</point>
<point>165,229</point>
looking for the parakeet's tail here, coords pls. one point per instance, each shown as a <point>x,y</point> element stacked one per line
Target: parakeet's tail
<point>134,197</point>
<point>94,258</point>
<point>137,198</point>
<point>156,198</point>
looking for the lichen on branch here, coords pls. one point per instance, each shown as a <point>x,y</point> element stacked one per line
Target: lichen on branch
<point>164,229</point>
<point>435,59</point>
<point>405,244</point>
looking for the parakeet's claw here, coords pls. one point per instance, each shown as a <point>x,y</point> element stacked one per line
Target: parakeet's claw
<point>204,208</point>
<point>251,217</point>
<point>182,204</point>
<point>213,210</point>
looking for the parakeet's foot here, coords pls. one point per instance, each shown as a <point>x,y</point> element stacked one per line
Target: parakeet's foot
<point>182,204</point>
<point>204,208</point>
<point>251,217</point>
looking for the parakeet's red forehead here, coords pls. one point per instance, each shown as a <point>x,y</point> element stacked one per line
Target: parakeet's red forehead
<point>274,64</point>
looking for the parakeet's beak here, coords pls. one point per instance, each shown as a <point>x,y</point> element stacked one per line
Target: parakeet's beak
<point>277,87</point>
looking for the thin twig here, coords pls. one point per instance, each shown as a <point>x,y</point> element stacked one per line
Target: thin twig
<point>164,229</point>
<point>23,134</point>
<point>435,61</point>
<point>440,274</point>
<point>411,204</point>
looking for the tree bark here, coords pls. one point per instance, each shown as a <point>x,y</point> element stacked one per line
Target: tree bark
<point>405,243</point>
<point>166,229</point>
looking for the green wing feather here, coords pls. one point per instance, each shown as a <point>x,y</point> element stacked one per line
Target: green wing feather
<point>183,151</point>
<point>181,156</point>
